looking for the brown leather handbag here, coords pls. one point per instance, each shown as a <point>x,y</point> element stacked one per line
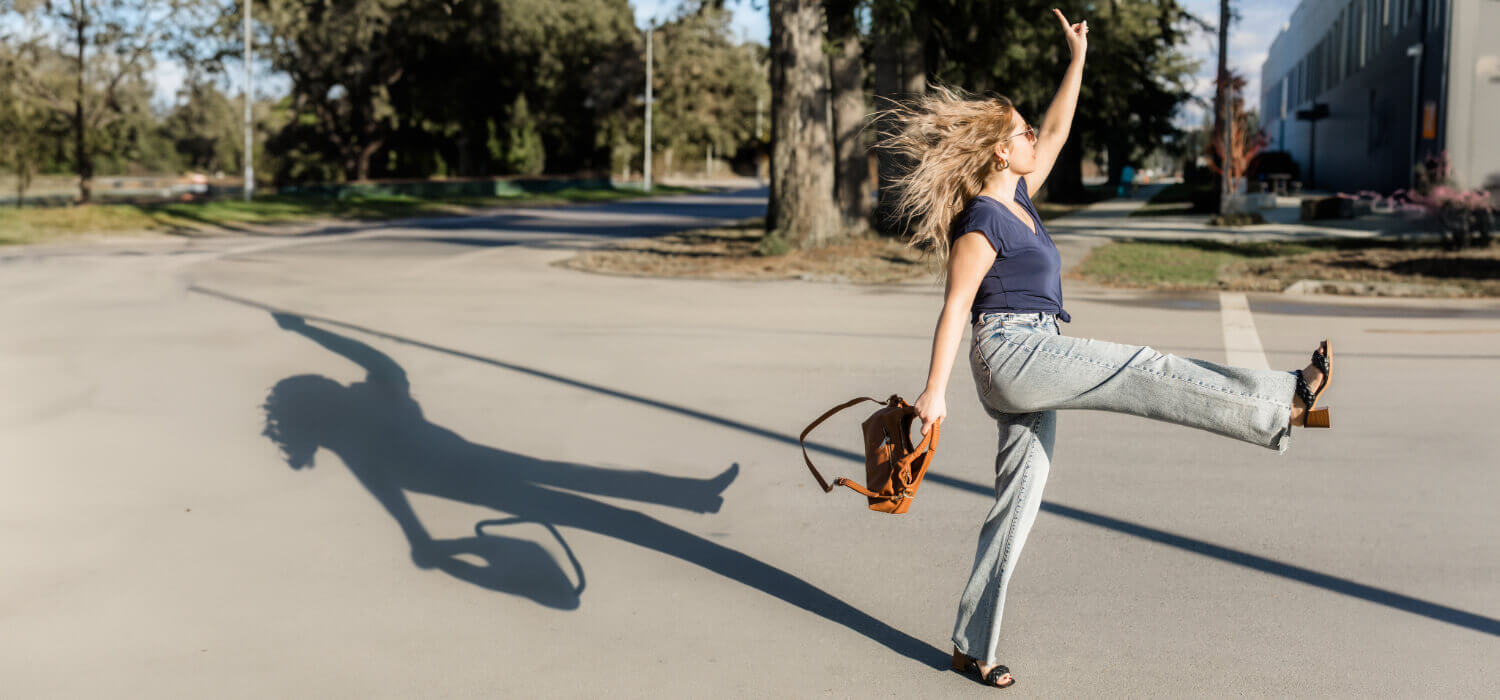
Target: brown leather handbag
<point>893,468</point>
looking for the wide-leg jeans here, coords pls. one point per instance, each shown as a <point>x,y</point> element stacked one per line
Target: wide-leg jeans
<point>1026,371</point>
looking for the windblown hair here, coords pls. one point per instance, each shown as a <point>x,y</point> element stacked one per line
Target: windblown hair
<point>947,137</point>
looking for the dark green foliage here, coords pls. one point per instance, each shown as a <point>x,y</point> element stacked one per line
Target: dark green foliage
<point>1136,76</point>
<point>521,149</point>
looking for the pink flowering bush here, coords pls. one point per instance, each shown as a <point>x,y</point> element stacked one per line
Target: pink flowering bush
<point>1465,215</point>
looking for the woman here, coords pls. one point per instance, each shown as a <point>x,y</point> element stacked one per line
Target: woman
<point>968,195</point>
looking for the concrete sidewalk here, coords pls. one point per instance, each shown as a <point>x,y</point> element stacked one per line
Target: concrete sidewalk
<point>1112,220</point>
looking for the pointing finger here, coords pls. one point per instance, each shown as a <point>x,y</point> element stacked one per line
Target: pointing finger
<point>1060,17</point>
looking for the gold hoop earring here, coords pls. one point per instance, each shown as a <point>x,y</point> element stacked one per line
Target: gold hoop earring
<point>1004,164</point>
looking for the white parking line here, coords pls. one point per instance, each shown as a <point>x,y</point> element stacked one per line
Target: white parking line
<point>1241,343</point>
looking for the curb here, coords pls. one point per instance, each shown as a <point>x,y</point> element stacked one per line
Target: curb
<point>1374,289</point>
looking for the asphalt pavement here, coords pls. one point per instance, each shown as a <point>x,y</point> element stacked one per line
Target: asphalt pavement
<point>416,459</point>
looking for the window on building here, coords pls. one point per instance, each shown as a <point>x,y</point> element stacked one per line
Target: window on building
<point>1330,63</point>
<point>1319,70</point>
<point>1301,78</point>
<point>1346,47</point>
<point>1360,29</point>
<point>1310,75</point>
<point>1360,18</point>
<point>1336,56</point>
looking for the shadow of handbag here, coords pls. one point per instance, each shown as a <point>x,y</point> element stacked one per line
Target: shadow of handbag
<point>893,467</point>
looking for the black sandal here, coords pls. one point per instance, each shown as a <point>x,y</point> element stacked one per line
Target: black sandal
<point>1314,417</point>
<point>963,663</point>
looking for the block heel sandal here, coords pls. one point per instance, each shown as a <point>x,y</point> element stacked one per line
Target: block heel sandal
<point>963,663</point>
<point>1315,417</point>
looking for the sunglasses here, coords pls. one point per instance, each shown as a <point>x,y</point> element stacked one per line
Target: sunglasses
<point>1029,132</point>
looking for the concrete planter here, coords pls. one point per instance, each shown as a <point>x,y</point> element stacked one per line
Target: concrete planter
<point>1252,202</point>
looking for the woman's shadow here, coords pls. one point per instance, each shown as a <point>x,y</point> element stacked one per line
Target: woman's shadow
<point>377,429</point>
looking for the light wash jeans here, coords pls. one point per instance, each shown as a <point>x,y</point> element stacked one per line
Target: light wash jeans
<point>1026,371</point>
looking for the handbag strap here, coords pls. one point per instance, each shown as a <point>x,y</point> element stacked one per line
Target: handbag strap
<point>803,440</point>
<point>928,445</point>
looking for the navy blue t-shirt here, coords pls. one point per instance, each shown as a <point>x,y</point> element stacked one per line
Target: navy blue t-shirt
<point>1027,274</point>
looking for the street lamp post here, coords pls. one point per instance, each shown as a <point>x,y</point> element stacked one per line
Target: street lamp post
<point>1226,185</point>
<point>1318,112</point>
<point>646,170</point>
<point>249,135</point>
<point>1414,52</point>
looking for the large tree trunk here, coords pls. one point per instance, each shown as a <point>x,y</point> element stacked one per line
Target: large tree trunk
<point>1065,184</point>
<point>23,180</point>
<point>1119,155</point>
<point>802,209</point>
<point>852,176</point>
<point>900,74</point>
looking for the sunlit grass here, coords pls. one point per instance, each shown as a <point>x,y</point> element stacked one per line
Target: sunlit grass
<point>1185,264</point>
<point>38,224</point>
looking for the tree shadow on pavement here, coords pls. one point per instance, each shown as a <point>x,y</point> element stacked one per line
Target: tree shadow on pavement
<point>379,432</point>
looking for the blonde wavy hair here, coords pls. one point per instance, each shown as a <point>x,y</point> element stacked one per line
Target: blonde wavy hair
<point>948,137</point>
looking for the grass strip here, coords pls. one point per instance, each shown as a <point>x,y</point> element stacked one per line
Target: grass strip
<point>40,224</point>
<point>1274,265</point>
<point>1176,265</point>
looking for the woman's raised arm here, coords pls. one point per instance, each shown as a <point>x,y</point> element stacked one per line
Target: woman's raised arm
<point>1059,119</point>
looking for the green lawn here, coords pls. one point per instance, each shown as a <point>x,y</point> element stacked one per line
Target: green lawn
<point>1193,264</point>
<point>38,224</point>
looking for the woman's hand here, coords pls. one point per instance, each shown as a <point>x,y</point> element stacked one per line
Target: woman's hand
<point>1078,34</point>
<point>931,408</point>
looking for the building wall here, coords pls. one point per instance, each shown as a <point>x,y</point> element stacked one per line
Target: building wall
<point>1474,93</point>
<point>1352,55</point>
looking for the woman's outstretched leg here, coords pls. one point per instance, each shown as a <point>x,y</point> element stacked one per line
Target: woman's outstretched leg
<point>1031,371</point>
<point>1021,467</point>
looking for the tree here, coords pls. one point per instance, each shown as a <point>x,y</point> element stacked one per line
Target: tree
<point>706,84</point>
<point>108,47</point>
<point>1137,74</point>
<point>206,129</point>
<point>897,41</point>
<point>521,149</point>
<point>23,151</point>
<point>847,76</point>
<point>1242,134</point>
<point>417,87</point>
<point>802,211</point>
<point>567,56</point>
<point>342,66</point>
<point>30,131</point>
